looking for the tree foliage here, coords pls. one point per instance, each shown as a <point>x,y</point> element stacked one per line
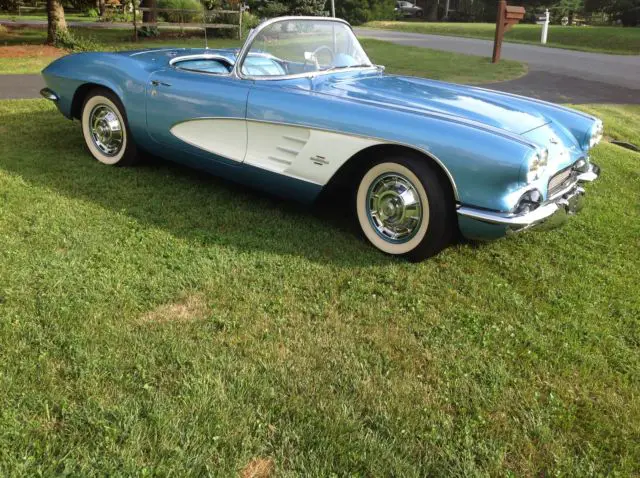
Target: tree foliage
<point>360,11</point>
<point>354,11</point>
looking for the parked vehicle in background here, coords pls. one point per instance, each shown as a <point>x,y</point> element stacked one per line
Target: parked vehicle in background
<point>576,20</point>
<point>408,9</point>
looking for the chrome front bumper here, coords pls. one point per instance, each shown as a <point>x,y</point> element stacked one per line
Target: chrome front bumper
<point>48,94</point>
<point>548,215</point>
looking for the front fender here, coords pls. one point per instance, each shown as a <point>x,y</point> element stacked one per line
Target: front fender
<point>119,73</point>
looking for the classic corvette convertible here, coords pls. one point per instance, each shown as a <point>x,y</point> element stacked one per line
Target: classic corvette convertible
<point>300,108</point>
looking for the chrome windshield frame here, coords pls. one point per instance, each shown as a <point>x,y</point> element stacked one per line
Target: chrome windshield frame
<point>244,51</point>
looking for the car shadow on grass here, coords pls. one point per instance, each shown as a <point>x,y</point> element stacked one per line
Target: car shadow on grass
<point>185,202</point>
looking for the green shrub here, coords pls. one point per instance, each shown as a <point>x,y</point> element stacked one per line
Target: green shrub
<point>249,21</point>
<point>9,5</point>
<point>361,11</point>
<point>354,11</point>
<point>117,15</point>
<point>148,31</point>
<point>65,40</point>
<point>93,13</point>
<point>180,17</point>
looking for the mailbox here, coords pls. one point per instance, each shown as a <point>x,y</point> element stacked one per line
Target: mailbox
<point>507,17</point>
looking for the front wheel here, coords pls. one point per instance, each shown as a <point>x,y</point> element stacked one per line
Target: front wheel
<point>105,129</point>
<point>404,208</point>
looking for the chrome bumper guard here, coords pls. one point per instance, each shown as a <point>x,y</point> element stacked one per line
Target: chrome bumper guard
<point>552,214</point>
<point>48,94</point>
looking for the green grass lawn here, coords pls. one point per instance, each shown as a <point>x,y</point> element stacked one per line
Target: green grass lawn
<point>155,320</point>
<point>618,40</point>
<point>398,59</point>
<point>24,65</point>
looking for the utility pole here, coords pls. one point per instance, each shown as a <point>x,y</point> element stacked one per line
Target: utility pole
<point>333,8</point>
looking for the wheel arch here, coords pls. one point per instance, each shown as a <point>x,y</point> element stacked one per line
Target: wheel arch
<point>355,166</point>
<point>81,93</point>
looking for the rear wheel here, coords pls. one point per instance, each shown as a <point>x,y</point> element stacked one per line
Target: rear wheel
<point>404,208</point>
<point>105,129</point>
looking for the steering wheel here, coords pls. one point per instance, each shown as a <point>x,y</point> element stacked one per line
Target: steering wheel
<point>314,55</point>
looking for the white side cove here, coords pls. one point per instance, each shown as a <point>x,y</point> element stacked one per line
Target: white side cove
<point>303,153</point>
<point>224,137</point>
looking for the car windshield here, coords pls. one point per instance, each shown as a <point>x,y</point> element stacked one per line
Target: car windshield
<point>298,46</point>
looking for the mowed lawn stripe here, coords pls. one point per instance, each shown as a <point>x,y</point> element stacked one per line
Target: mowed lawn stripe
<point>157,320</point>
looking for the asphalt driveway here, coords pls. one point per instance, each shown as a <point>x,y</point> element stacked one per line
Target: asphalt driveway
<point>554,74</point>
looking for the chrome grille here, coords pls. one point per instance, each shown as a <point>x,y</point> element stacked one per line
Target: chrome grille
<point>560,181</point>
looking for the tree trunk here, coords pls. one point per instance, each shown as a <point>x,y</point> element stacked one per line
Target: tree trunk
<point>149,17</point>
<point>432,11</point>
<point>101,7</point>
<point>55,19</point>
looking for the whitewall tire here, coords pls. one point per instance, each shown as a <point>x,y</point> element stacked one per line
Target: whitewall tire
<point>404,208</point>
<point>105,129</point>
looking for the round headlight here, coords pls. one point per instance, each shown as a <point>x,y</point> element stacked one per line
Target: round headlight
<point>537,165</point>
<point>528,202</point>
<point>595,135</point>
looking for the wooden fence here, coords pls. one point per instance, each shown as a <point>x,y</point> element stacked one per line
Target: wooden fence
<point>186,17</point>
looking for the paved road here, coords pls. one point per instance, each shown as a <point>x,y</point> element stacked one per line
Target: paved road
<point>618,70</point>
<point>20,86</point>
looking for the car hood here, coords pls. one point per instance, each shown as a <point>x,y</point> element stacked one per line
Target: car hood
<point>429,96</point>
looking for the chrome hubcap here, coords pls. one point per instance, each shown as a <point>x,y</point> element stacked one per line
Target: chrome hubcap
<point>394,207</point>
<point>106,130</point>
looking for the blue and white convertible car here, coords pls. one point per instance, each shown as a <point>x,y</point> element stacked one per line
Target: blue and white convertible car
<point>301,108</point>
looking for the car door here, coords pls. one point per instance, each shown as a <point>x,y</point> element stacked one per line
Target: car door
<point>297,133</point>
<point>199,112</point>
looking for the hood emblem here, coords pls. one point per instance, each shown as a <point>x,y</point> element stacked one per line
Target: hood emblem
<point>553,140</point>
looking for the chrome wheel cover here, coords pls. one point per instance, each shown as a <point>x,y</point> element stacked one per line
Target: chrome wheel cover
<point>394,207</point>
<point>106,130</point>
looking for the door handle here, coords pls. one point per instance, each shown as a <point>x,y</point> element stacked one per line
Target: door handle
<point>158,83</point>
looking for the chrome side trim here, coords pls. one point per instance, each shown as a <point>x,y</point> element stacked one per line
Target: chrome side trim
<point>156,50</point>
<point>382,140</point>
<point>48,94</point>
